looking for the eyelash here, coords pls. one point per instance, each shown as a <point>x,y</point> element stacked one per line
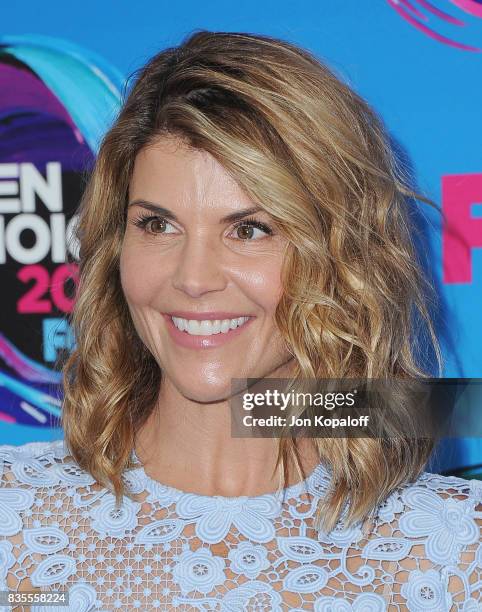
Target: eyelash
<point>143,220</point>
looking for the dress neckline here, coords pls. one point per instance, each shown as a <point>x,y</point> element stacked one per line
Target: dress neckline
<point>314,483</point>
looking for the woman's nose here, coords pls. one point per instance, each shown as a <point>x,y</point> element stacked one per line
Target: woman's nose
<point>199,268</point>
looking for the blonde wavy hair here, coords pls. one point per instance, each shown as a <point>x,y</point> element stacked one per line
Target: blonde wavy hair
<point>316,157</point>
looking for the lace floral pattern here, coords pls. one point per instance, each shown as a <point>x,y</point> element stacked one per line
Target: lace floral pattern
<point>169,550</point>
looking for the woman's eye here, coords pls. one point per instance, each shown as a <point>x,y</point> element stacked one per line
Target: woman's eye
<point>249,227</point>
<point>154,222</point>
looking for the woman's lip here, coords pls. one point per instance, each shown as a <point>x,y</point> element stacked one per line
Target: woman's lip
<point>206,316</point>
<point>186,340</point>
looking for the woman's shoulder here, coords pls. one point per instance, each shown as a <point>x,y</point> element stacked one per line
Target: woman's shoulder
<point>12,456</point>
<point>436,519</point>
<point>32,449</point>
<point>434,501</point>
<point>33,466</point>
<point>452,486</point>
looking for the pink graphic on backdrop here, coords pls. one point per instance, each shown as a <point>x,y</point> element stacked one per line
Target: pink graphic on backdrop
<point>26,368</point>
<point>461,232</point>
<point>470,6</point>
<point>417,18</point>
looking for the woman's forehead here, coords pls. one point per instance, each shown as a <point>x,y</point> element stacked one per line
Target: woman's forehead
<point>177,177</point>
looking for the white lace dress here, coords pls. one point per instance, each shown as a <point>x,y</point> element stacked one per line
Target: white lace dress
<point>171,550</point>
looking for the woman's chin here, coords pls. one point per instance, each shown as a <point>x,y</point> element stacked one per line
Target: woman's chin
<point>208,396</point>
<point>205,390</point>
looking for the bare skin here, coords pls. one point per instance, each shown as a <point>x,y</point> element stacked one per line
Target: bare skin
<point>198,264</point>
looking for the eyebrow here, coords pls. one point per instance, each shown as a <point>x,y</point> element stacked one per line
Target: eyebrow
<point>165,212</point>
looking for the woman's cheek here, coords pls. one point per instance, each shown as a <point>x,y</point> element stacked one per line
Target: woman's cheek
<point>263,283</point>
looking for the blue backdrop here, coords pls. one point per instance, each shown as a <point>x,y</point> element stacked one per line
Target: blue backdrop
<point>62,68</point>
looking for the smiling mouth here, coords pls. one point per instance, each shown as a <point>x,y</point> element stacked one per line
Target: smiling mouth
<point>194,327</point>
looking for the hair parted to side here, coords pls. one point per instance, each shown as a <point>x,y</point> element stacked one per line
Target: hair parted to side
<point>316,157</point>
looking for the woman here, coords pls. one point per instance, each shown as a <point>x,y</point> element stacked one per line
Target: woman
<point>149,502</point>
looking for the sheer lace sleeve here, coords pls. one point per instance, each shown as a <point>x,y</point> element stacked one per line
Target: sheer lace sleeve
<point>428,538</point>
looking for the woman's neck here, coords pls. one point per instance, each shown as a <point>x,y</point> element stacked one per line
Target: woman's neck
<point>188,445</point>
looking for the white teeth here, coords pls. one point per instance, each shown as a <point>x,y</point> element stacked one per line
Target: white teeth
<point>208,328</point>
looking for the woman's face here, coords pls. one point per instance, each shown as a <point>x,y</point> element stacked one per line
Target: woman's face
<point>191,262</point>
